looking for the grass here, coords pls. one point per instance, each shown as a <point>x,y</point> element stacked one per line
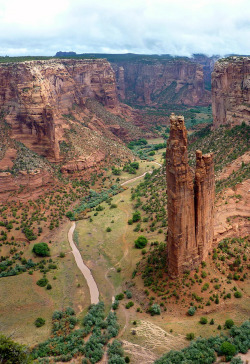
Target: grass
<point>22,306</point>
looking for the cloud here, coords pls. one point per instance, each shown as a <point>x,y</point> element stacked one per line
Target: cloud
<point>118,26</point>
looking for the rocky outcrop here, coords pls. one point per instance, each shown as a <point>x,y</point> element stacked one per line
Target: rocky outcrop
<point>25,185</point>
<point>208,66</point>
<point>155,82</point>
<point>38,97</point>
<point>231,91</point>
<point>204,203</point>
<point>190,206</point>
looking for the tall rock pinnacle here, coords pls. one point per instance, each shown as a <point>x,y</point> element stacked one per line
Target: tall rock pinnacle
<point>190,207</point>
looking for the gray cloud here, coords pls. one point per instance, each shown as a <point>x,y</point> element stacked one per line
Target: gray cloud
<point>139,26</point>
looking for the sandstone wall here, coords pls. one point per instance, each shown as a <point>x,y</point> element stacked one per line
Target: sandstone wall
<point>36,94</point>
<point>231,91</point>
<point>190,207</point>
<point>157,82</point>
<point>204,203</point>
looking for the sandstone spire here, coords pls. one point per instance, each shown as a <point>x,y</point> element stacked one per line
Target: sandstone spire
<point>190,210</point>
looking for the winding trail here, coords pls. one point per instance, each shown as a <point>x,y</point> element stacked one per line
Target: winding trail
<point>93,289</point>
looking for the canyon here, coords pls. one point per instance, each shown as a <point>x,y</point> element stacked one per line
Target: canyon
<point>190,205</point>
<point>151,80</point>
<point>231,91</point>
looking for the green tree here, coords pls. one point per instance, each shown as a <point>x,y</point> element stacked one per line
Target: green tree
<point>229,323</point>
<point>228,349</point>
<point>13,353</point>
<point>141,242</point>
<point>41,250</point>
<point>136,216</point>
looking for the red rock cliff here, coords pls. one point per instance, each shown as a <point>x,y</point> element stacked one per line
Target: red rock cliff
<point>190,210</point>
<point>231,91</point>
<point>158,82</point>
<point>35,95</point>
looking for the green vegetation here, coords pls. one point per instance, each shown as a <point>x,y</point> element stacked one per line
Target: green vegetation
<point>12,352</point>
<point>93,199</point>
<point>39,322</point>
<point>141,242</point>
<point>203,350</point>
<point>41,250</point>
<point>67,342</point>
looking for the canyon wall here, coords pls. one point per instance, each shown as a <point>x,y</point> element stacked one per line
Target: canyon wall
<point>156,82</point>
<point>38,98</point>
<point>190,206</point>
<point>231,91</point>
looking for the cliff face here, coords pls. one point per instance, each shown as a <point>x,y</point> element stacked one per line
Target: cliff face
<point>231,91</point>
<point>35,95</point>
<point>190,208</point>
<point>159,82</point>
<point>208,66</point>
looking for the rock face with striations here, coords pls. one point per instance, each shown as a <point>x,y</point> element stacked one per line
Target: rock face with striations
<point>156,82</point>
<point>231,91</point>
<point>190,206</point>
<point>38,96</point>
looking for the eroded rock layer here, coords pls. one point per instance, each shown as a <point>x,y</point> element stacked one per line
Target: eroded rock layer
<point>157,82</point>
<point>41,99</point>
<point>231,91</point>
<point>190,207</point>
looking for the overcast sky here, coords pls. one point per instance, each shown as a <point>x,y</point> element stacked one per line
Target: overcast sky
<point>183,27</point>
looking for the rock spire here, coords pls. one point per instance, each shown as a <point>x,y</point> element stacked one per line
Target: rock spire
<point>190,203</point>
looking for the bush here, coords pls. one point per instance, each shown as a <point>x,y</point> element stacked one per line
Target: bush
<point>190,336</point>
<point>41,250</point>
<point>129,294</point>
<point>237,294</point>
<point>229,323</point>
<point>228,349</point>
<point>49,286</point>
<point>136,216</point>
<point>155,309</point>
<point>12,352</point>
<point>236,360</point>
<point>203,320</point>
<point>42,282</point>
<point>119,296</point>
<point>115,305</point>
<point>141,242</point>
<point>39,322</point>
<point>108,229</point>
<point>129,304</point>
<point>191,311</point>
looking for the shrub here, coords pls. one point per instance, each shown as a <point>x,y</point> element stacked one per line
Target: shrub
<point>115,305</point>
<point>39,322</point>
<point>190,336</point>
<point>49,286</point>
<point>129,304</point>
<point>191,311</point>
<point>42,282</point>
<point>155,309</point>
<point>41,250</point>
<point>108,229</point>
<point>237,294</point>
<point>141,242</point>
<point>129,294</point>
<point>229,323</point>
<point>203,320</point>
<point>236,360</point>
<point>228,349</point>
<point>12,352</point>
<point>119,296</point>
<point>136,216</point>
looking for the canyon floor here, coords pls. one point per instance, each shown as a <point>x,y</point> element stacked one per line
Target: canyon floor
<point>112,259</point>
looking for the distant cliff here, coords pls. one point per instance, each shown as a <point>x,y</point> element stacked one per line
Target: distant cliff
<point>231,91</point>
<point>157,82</point>
<point>44,100</point>
<point>159,79</point>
